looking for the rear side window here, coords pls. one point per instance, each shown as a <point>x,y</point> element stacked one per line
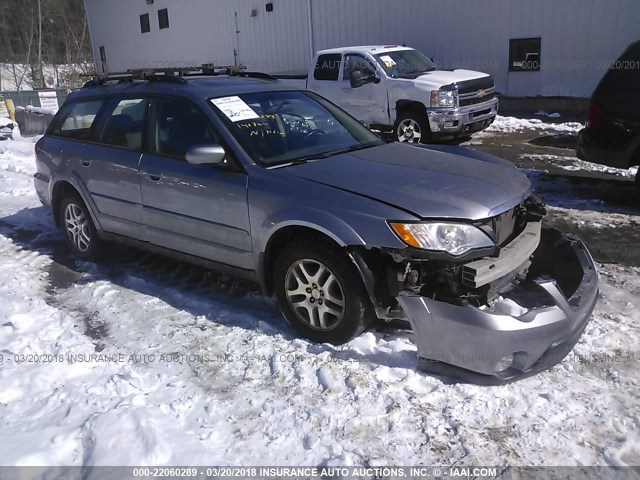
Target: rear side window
<point>328,67</point>
<point>624,73</point>
<point>77,120</point>
<point>124,124</point>
<point>177,125</point>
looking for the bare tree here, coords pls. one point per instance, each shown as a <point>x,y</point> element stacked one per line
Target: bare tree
<point>35,33</point>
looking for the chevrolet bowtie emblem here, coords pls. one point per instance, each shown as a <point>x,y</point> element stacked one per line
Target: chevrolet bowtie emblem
<point>481,93</point>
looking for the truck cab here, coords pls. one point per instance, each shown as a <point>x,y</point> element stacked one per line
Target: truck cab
<point>399,89</point>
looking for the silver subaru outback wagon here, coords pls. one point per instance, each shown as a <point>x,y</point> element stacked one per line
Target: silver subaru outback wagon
<point>244,175</point>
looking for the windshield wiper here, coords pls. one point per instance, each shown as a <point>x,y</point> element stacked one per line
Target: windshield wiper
<point>320,156</point>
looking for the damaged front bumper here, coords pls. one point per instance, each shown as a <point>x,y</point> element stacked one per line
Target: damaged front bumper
<point>482,346</point>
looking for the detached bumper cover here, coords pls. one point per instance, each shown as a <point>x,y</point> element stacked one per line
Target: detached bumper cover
<point>471,344</point>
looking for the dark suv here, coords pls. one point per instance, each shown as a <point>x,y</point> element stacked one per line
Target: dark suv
<point>612,133</point>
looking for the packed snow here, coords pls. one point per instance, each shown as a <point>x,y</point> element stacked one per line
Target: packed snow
<point>514,124</point>
<point>41,110</point>
<point>542,113</point>
<point>104,365</point>
<point>571,163</point>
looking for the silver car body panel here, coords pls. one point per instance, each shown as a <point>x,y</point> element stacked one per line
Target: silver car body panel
<point>428,182</point>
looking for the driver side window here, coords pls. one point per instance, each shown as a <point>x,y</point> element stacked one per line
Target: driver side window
<point>357,63</point>
<point>177,125</point>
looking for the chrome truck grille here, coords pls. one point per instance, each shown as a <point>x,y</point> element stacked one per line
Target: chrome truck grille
<point>472,92</point>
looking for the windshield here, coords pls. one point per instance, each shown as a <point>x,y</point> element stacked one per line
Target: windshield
<point>282,127</point>
<point>405,63</point>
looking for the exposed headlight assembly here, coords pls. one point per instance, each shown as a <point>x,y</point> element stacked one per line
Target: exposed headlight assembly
<point>444,98</point>
<point>453,238</point>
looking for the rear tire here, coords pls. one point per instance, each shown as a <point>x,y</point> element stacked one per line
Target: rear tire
<point>412,126</point>
<point>320,293</point>
<point>80,233</point>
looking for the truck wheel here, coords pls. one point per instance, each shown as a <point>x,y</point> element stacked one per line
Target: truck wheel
<point>80,234</point>
<point>320,293</point>
<point>412,126</point>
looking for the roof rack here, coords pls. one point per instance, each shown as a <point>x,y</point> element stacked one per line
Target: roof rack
<point>173,75</point>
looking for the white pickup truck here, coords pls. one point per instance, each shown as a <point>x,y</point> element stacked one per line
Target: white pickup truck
<point>400,89</point>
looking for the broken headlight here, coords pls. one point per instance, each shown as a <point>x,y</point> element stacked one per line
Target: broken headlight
<point>453,238</point>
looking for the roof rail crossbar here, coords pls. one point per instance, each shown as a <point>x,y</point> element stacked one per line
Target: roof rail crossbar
<point>131,75</point>
<point>173,74</point>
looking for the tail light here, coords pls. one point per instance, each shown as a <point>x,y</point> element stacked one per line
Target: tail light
<point>595,119</point>
<point>38,147</point>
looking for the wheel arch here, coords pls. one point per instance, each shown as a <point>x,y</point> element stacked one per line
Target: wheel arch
<point>279,239</point>
<point>418,112</point>
<point>405,105</point>
<point>61,189</point>
<point>64,187</point>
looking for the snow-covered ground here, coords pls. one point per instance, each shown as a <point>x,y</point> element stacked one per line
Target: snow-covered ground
<point>571,163</point>
<point>514,124</point>
<point>114,366</point>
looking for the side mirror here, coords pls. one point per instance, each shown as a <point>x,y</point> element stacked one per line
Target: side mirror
<point>206,155</point>
<point>357,80</point>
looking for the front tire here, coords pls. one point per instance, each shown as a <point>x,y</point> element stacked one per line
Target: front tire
<point>320,293</point>
<point>412,126</point>
<point>80,233</point>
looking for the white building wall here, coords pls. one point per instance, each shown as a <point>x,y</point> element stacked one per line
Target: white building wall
<point>579,37</point>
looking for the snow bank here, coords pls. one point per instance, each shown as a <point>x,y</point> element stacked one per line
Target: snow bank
<point>41,110</point>
<point>513,125</point>
<point>571,163</point>
<point>542,113</point>
<point>4,121</point>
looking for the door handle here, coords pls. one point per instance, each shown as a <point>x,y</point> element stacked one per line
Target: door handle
<point>85,163</point>
<point>155,177</point>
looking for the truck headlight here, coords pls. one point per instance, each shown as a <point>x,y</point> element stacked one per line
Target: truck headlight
<point>453,238</point>
<point>444,98</point>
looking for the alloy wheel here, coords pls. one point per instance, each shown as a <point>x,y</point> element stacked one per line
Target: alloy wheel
<point>315,294</point>
<point>77,227</point>
<point>409,131</point>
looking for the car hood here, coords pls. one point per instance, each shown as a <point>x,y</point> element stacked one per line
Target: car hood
<point>428,182</point>
<point>447,77</point>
